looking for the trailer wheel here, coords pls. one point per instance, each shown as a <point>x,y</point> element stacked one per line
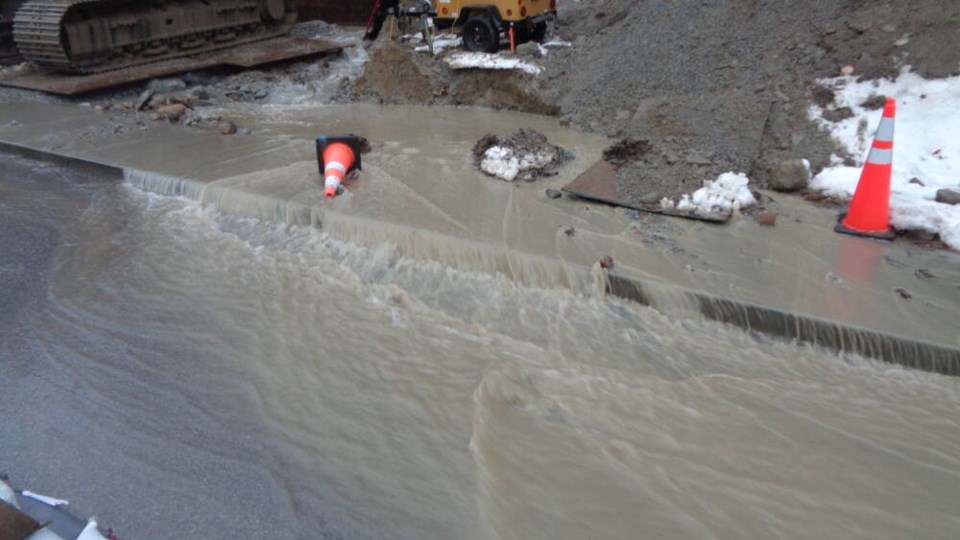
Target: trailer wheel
<point>539,32</point>
<point>480,35</point>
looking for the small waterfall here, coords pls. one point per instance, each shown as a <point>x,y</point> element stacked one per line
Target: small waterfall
<point>162,184</point>
<point>829,334</point>
<point>548,272</point>
<point>414,243</point>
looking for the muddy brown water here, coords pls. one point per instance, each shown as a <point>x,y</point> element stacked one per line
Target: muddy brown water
<point>179,372</point>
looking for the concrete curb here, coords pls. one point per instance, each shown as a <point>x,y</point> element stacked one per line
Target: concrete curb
<point>829,334</point>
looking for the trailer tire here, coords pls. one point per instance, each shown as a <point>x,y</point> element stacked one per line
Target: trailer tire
<point>539,32</point>
<point>480,34</point>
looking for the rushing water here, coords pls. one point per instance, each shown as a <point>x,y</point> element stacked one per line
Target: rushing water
<point>186,374</point>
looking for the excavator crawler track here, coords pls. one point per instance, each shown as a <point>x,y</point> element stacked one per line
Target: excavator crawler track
<point>93,36</point>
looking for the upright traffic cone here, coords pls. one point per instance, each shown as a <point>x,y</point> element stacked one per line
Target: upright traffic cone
<point>337,157</point>
<point>869,213</point>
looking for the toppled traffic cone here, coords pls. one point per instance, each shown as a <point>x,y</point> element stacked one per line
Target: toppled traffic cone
<point>337,156</point>
<point>869,213</point>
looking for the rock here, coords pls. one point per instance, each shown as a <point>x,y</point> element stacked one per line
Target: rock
<point>261,94</point>
<point>200,94</point>
<point>823,96</point>
<point>651,198</point>
<point>245,131</point>
<point>859,26</point>
<point>903,293</point>
<point>846,70</point>
<point>569,231</point>
<point>874,102</point>
<point>530,49</point>
<point>917,181</point>
<point>606,262</point>
<point>838,115</point>
<point>766,218</point>
<point>170,99</point>
<point>790,175</point>
<point>923,273</point>
<point>948,196</point>
<point>166,85</point>
<point>144,100</point>
<point>553,193</point>
<point>695,157</point>
<point>228,128</point>
<point>172,112</point>
<point>920,236</point>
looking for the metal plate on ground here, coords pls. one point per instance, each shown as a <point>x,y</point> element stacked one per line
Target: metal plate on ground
<point>244,56</point>
<point>599,183</point>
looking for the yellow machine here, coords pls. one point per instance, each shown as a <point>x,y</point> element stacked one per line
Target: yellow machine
<point>482,22</point>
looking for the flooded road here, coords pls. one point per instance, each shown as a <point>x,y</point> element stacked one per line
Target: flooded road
<point>180,373</point>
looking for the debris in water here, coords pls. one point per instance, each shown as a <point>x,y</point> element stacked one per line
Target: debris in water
<point>766,218</point>
<point>626,150</point>
<point>524,155</point>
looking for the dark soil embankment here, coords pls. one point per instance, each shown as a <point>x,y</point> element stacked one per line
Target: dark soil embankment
<point>396,75</point>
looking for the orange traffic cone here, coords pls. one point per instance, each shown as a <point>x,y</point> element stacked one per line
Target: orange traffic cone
<point>337,156</point>
<point>869,213</point>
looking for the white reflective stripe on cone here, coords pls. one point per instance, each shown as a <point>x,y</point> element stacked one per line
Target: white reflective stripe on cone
<point>879,156</point>
<point>336,165</point>
<point>331,181</point>
<point>885,131</point>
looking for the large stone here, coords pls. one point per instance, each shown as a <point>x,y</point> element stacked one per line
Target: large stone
<point>166,85</point>
<point>144,100</point>
<point>948,196</point>
<point>172,112</point>
<point>790,175</point>
<point>530,49</point>
<point>228,128</point>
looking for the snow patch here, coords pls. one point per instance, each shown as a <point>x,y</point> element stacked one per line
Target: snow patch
<point>477,60</point>
<point>728,193</point>
<point>507,164</point>
<point>926,147</point>
<point>557,44</point>
<point>440,44</point>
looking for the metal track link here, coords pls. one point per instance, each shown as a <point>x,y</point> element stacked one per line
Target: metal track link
<point>36,31</point>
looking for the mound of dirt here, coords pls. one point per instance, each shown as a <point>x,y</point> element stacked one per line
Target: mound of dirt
<point>720,86</point>
<point>396,74</point>
<point>523,156</point>
<point>712,87</point>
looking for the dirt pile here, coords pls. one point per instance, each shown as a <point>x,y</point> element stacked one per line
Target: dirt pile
<point>395,74</point>
<point>718,86</point>
<point>711,86</point>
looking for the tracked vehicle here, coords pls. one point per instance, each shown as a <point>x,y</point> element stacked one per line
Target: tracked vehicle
<point>8,51</point>
<point>92,36</point>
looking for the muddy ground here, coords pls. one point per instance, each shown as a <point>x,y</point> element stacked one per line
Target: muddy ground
<point>710,87</point>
